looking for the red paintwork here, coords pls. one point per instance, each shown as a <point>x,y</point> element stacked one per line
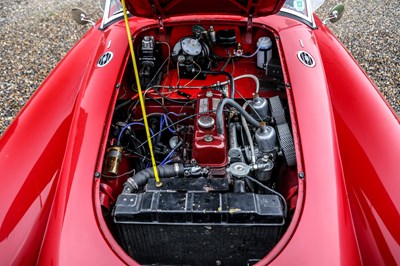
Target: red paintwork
<point>31,155</point>
<point>213,153</point>
<point>369,131</point>
<point>324,234</point>
<point>348,206</point>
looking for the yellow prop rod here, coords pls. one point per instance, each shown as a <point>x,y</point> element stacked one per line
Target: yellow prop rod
<point>139,88</point>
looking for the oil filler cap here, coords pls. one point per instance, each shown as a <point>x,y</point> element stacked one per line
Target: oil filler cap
<point>206,122</point>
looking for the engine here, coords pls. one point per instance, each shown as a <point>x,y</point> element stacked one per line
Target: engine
<point>220,158</point>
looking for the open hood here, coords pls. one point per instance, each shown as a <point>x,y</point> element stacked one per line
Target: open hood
<point>169,8</point>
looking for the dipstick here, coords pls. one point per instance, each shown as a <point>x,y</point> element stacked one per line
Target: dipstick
<point>139,88</point>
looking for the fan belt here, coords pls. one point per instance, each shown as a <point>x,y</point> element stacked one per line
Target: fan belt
<point>287,144</point>
<point>277,110</point>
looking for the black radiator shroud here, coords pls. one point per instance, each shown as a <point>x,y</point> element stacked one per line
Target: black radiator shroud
<point>198,227</point>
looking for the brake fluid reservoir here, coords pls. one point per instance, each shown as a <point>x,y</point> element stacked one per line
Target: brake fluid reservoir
<point>264,54</point>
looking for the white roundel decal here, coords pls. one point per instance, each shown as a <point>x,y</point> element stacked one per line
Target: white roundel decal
<point>306,58</point>
<point>104,59</point>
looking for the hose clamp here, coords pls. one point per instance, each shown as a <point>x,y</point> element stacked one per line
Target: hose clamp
<point>130,185</point>
<point>176,168</point>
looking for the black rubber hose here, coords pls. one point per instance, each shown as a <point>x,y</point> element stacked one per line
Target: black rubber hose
<point>232,103</point>
<point>141,178</point>
<point>124,103</point>
<point>231,81</point>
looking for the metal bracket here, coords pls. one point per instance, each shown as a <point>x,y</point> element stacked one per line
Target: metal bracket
<point>249,30</point>
<point>161,25</point>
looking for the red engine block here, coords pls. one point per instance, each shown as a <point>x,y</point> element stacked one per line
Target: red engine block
<point>209,148</point>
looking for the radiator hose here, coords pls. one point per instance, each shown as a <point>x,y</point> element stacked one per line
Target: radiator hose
<point>141,178</point>
<point>232,103</point>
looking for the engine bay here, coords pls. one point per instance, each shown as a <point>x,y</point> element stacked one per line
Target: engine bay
<point>221,135</point>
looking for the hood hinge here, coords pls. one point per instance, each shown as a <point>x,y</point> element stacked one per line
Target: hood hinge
<point>249,30</point>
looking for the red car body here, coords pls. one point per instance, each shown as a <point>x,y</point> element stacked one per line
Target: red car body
<point>347,140</point>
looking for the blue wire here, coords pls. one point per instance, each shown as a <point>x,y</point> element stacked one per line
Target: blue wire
<point>166,122</point>
<point>128,125</point>
<point>169,155</point>
<point>161,123</point>
<point>167,162</point>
